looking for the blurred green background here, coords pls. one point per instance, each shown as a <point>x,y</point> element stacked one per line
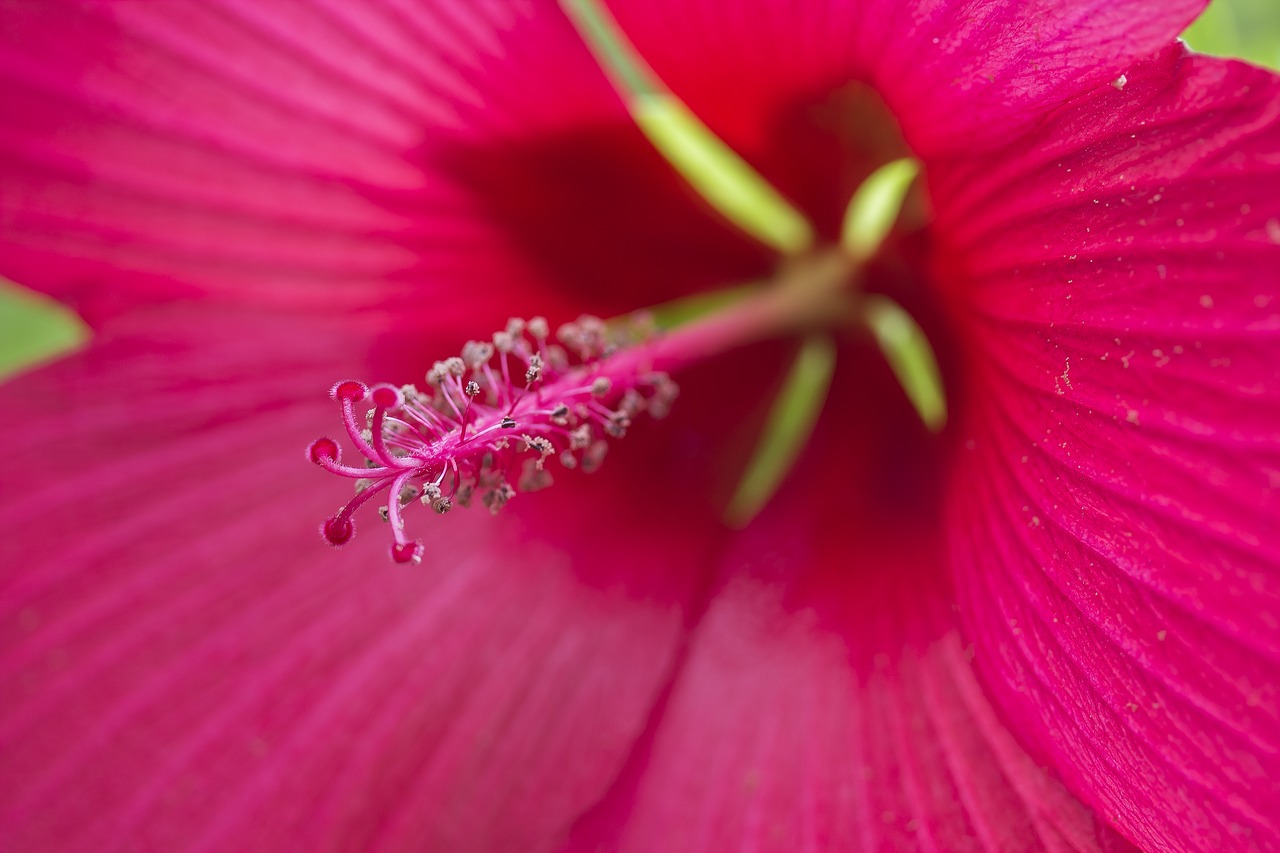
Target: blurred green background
<point>1247,29</point>
<point>34,329</point>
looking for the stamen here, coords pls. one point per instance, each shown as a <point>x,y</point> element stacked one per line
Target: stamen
<point>423,443</point>
<point>471,431</point>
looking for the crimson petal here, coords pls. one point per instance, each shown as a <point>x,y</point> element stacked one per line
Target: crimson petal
<point>333,157</point>
<point>954,74</point>
<point>1114,519</point>
<point>828,700</point>
<point>186,665</point>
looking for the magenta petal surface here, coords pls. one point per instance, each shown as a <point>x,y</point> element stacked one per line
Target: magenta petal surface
<point>1114,520</point>
<point>775,740</point>
<point>186,666</point>
<point>958,75</point>
<point>828,699</point>
<point>332,156</point>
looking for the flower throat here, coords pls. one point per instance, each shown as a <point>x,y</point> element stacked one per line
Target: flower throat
<point>491,421</point>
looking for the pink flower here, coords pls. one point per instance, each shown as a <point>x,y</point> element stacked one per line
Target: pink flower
<point>1056,625</point>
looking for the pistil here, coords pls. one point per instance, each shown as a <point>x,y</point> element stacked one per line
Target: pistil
<point>490,420</point>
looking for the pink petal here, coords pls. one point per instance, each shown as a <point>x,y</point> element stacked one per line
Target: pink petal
<point>1114,521</point>
<point>773,77</point>
<point>332,156</point>
<point>186,665</point>
<point>828,701</point>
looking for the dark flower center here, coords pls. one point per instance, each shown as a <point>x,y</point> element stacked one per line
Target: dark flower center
<point>849,278</point>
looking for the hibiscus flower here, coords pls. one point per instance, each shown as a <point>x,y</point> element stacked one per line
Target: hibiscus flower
<point>1053,625</point>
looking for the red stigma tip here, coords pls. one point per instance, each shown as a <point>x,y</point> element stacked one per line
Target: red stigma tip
<point>348,389</point>
<point>338,530</point>
<point>386,396</point>
<point>322,450</point>
<point>407,552</point>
